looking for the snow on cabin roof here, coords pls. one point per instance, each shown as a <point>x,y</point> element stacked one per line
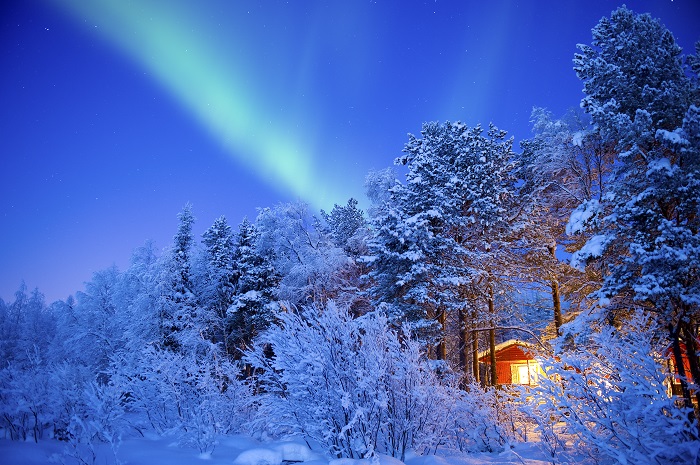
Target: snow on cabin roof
<point>505,345</point>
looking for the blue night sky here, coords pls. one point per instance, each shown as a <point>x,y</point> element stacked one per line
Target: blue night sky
<point>115,113</point>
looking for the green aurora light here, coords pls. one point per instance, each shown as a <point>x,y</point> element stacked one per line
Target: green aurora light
<point>181,51</point>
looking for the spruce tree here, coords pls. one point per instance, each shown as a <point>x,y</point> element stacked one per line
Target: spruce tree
<point>639,96</point>
<point>254,303</point>
<point>438,241</point>
<point>179,309</point>
<point>220,275</point>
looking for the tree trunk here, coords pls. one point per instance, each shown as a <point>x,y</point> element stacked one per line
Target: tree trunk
<point>475,356</point>
<point>556,300</point>
<point>492,339</point>
<point>430,315</point>
<point>442,345</point>
<point>557,306</point>
<point>464,344</point>
<point>680,368</point>
<point>689,338</point>
<point>492,353</point>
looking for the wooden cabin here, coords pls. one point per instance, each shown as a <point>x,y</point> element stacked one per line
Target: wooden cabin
<point>674,382</point>
<point>515,363</point>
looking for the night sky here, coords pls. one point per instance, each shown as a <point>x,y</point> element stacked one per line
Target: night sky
<point>116,113</point>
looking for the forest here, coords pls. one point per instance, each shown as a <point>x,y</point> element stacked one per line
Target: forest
<point>361,332</point>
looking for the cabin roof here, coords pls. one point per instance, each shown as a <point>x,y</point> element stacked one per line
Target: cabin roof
<point>511,343</point>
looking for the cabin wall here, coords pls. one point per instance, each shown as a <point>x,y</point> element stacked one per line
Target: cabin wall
<point>505,360</point>
<point>503,373</point>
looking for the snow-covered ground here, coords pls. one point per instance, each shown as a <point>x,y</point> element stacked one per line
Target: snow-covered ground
<point>235,450</point>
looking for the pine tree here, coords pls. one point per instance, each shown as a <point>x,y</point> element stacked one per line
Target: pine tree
<point>218,286</point>
<point>348,226</point>
<point>638,94</point>
<point>349,230</point>
<point>632,65</point>
<point>254,303</point>
<point>179,312</point>
<point>438,237</point>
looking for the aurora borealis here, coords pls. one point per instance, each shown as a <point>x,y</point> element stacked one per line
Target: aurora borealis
<point>118,112</point>
<point>185,56</point>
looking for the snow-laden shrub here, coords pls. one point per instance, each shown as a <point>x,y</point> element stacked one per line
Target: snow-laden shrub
<point>26,410</point>
<point>195,397</point>
<point>479,419</point>
<point>610,395</point>
<point>355,386</point>
<point>94,416</point>
<point>62,401</point>
<point>70,384</point>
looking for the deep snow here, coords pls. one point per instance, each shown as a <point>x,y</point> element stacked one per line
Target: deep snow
<point>237,450</point>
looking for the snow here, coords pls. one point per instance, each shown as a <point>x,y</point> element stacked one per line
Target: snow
<point>296,452</point>
<point>593,248</point>
<point>242,450</point>
<point>581,215</point>
<point>251,295</point>
<point>259,456</point>
<point>659,165</point>
<point>277,453</point>
<point>674,137</point>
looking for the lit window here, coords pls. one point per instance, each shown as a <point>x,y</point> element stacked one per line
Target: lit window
<point>525,373</point>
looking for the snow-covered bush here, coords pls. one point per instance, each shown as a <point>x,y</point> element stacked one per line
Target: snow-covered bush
<point>195,398</point>
<point>25,410</point>
<point>610,395</point>
<point>27,329</point>
<point>355,386</point>
<point>97,417</point>
<point>480,418</point>
<point>62,401</point>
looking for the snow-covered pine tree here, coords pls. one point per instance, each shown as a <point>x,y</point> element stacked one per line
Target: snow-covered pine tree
<point>252,308</point>
<point>349,230</point>
<point>348,226</point>
<point>439,236</point>
<point>179,312</point>
<point>641,99</point>
<point>217,286</point>
<point>632,64</point>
